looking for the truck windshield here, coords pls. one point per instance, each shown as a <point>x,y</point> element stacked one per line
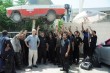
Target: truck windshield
<point>40,2</point>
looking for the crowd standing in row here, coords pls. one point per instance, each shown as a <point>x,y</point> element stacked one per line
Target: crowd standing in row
<point>57,47</point>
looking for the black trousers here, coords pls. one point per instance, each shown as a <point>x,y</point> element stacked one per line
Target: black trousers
<point>86,50</point>
<point>65,62</point>
<point>42,54</point>
<point>18,60</point>
<point>58,55</point>
<point>52,54</point>
<point>71,56</point>
<point>10,65</point>
<point>92,50</point>
<point>76,54</point>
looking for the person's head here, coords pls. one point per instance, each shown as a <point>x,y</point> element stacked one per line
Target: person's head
<point>77,33</point>
<point>65,35</point>
<point>50,35</point>
<point>25,32</point>
<point>7,44</point>
<point>42,34</point>
<point>70,33</point>
<point>94,32</point>
<point>4,32</point>
<point>34,31</point>
<point>87,30</point>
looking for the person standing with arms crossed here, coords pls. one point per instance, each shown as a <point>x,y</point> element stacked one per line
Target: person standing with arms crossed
<point>32,41</point>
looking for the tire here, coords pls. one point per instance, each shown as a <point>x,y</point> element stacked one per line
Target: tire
<point>51,16</point>
<point>16,17</point>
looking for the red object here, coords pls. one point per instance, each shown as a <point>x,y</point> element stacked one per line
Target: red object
<point>35,11</point>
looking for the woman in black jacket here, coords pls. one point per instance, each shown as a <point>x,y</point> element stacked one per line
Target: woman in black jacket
<point>8,57</point>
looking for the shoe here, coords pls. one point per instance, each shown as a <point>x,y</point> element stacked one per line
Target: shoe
<point>35,66</point>
<point>62,70</point>
<point>59,65</point>
<point>30,67</point>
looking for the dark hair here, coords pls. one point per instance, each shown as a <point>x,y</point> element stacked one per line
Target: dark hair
<point>4,32</point>
<point>78,32</point>
<point>94,31</point>
<point>65,33</point>
<point>7,42</point>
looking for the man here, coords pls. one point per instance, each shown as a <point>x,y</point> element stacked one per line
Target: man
<point>32,42</point>
<point>86,41</point>
<point>43,47</point>
<point>17,49</point>
<point>71,38</point>
<point>93,42</point>
<point>65,49</point>
<point>77,44</point>
<point>3,38</point>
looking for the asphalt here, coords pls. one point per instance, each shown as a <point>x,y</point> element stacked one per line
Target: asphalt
<point>50,68</point>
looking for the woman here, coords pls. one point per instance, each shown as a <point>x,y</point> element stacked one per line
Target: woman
<point>8,57</point>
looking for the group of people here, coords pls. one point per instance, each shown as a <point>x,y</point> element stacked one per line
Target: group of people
<point>59,47</point>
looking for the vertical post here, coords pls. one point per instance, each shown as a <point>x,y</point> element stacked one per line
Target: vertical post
<point>33,24</point>
<point>81,2</point>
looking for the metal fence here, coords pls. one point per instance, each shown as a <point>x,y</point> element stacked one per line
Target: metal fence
<point>12,34</point>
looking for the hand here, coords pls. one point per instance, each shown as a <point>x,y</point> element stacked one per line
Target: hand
<point>38,27</point>
<point>66,55</point>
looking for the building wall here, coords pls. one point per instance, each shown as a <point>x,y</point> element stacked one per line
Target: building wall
<point>102,29</point>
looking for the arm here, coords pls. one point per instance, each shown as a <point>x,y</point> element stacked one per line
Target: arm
<point>26,41</point>
<point>26,44</point>
<point>37,30</point>
<point>82,27</point>
<point>90,28</point>
<point>38,41</point>
<point>68,50</point>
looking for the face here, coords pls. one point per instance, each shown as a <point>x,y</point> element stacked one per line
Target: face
<point>64,36</point>
<point>93,33</point>
<point>75,33</point>
<point>69,33</point>
<point>87,30</point>
<point>8,45</point>
<point>42,34</point>
<point>25,32</point>
<point>50,36</point>
<point>33,32</point>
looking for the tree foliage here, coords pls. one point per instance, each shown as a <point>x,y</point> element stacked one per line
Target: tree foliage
<point>8,24</point>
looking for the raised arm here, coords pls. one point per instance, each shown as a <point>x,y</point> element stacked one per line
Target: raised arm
<point>82,27</point>
<point>38,30</point>
<point>90,28</point>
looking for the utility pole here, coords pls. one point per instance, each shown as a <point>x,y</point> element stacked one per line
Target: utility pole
<point>81,3</point>
<point>33,23</point>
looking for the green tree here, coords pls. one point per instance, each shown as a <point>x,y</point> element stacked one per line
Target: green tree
<point>20,2</point>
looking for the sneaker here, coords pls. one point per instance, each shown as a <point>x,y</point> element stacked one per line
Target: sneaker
<point>62,70</point>
<point>30,67</point>
<point>35,66</point>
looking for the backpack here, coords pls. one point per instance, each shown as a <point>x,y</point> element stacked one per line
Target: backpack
<point>86,64</point>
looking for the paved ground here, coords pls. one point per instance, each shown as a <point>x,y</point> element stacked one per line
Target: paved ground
<point>49,69</point>
<point>73,69</point>
<point>103,69</point>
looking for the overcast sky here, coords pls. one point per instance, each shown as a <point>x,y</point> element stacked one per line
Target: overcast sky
<point>87,3</point>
